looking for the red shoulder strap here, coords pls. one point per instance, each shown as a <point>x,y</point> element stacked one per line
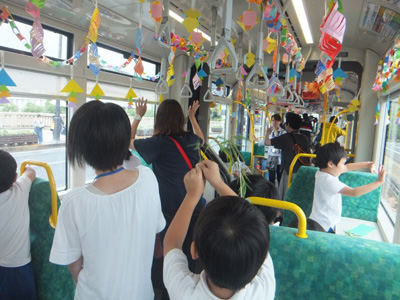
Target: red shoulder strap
<point>182,152</point>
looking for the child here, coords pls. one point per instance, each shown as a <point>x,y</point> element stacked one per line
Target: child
<point>106,230</point>
<point>231,237</point>
<point>16,276</point>
<point>327,203</point>
<point>258,186</point>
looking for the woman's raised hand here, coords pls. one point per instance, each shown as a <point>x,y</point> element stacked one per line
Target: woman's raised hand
<point>193,108</point>
<point>141,106</point>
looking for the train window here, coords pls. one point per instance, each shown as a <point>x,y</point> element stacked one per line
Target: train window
<point>391,187</point>
<point>218,117</point>
<point>56,42</point>
<point>146,125</point>
<point>26,135</point>
<point>113,59</point>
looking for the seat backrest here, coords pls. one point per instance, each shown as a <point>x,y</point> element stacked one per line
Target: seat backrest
<point>301,192</point>
<point>328,266</point>
<point>53,282</point>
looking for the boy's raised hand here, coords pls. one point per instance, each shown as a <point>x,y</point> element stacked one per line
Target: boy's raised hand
<point>193,108</point>
<point>381,174</point>
<point>141,106</point>
<point>194,183</point>
<point>210,171</point>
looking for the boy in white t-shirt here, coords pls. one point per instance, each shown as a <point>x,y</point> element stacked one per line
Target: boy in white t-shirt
<point>327,203</point>
<point>16,276</point>
<point>231,237</point>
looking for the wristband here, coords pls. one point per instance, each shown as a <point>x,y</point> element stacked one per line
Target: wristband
<point>137,117</point>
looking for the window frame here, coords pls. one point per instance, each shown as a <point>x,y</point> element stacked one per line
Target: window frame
<point>70,39</point>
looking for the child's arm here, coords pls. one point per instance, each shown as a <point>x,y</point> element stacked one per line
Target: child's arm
<point>141,108</point>
<point>192,117</point>
<point>75,268</point>
<point>211,173</point>
<point>361,165</point>
<point>30,173</point>
<point>364,189</point>
<point>176,233</point>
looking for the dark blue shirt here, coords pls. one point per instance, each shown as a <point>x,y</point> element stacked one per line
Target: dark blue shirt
<point>169,166</point>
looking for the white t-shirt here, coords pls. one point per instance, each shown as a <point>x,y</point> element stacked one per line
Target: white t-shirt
<point>183,284</point>
<point>115,234</point>
<point>15,244</point>
<point>327,203</point>
<point>271,150</point>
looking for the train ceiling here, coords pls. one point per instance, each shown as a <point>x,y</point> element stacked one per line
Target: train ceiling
<point>120,21</point>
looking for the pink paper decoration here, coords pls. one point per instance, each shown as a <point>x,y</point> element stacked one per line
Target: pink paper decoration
<point>156,10</point>
<point>197,37</point>
<point>334,24</point>
<point>249,18</point>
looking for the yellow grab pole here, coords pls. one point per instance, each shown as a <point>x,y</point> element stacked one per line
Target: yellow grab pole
<point>53,216</point>
<point>301,233</point>
<point>294,162</point>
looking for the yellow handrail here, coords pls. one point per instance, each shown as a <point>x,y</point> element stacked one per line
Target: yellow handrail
<point>252,133</point>
<point>301,233</point>
<point>323,142</point>
<point>53,216</point>
<point>294,162</point>
<point>203,155</point>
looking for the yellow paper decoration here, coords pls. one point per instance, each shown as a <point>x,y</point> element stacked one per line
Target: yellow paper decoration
<point>250,59</point>
<point>97,92</point>
<point>131,94</point>
<point>355,102</point>
<point>190,24</point>
<point>192,13</point>
<point>212,104</point>
<point>161,99</point>
<point>352,108</point>
<point>273,99</point>
<point>94,25</point>
<point>322,88</point>
<point>170,75</point>
<point>72,86</point>
<point>271,45</point>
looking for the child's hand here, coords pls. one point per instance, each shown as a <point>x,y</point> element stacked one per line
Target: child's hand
<point>381,174</point>
<point>30,172</point>
<point>194,183</point>
<point>141,106</point>
<point>211,172</point>
<point>193,108</point>
<point>371,167</point>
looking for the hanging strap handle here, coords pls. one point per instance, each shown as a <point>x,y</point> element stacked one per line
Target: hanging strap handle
<point>186,158</point>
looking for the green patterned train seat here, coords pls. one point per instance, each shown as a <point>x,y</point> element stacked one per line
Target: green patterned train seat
<point>330,267</point>
<point>53,282</point>
<point>301,192</point>
<point>259,150</point>
<point>246,157</point>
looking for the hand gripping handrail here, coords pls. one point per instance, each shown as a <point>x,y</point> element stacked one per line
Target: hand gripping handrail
<point>301,217</point>
<point>186,92</point>
<point>165,28</point>
<point>252,84</point>
<point>162,85</point>
<point>224,42</point>
<point>294,162</point>
<point>53,216</point>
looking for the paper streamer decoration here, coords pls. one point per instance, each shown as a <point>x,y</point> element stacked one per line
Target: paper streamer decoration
<point>171,75</point>
<point>72,88</point>
<point>139,41</point>
<point>39,3</point>
<point>5,80</point>
<point>37,33</point>
<point>94,63</point>
<point>334,24</point>
<point>97,92</point>
<point>94,26</point>
<point>130,96</point>
<point>196,81</point>
<point>139,69</point>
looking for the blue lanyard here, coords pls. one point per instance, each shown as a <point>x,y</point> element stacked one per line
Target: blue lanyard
<point>109,173</point>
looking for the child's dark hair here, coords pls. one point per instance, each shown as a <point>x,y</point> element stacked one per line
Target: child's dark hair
<point>8,167</point>
<point>311,225</point>
<point>99,135</point>
<point>258,186</point>
<point>293,120</point>
<point>329,152</point>
<point>333,118</point>
<point>232,240</point>
<point>276,117</point>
